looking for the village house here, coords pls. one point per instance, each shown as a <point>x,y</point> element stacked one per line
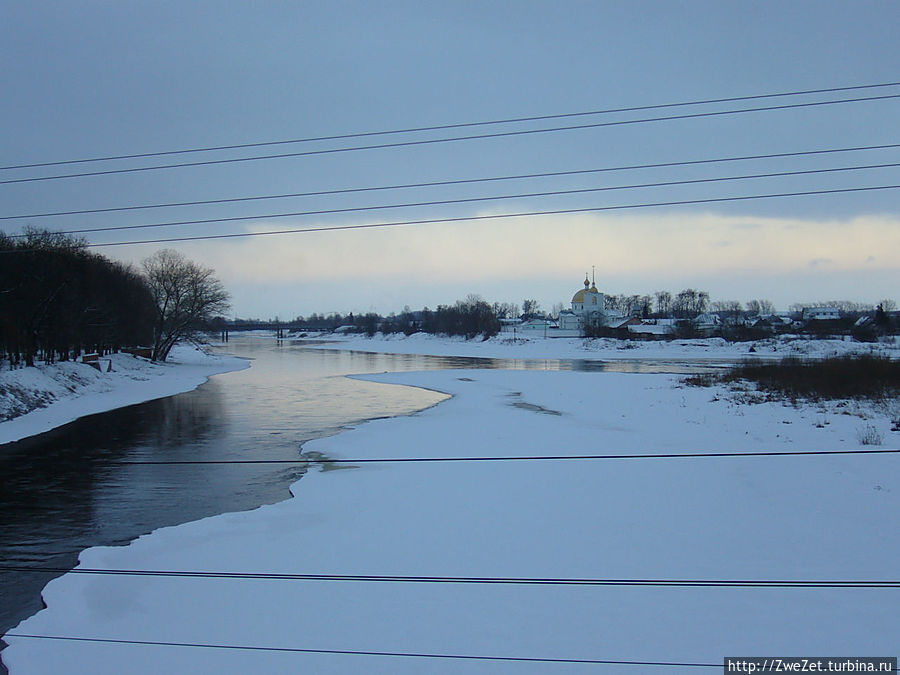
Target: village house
<point>821,314</point>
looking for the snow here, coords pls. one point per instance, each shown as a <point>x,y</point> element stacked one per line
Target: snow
<point>801,518</point>
<point>522,347</point>
<point>53,395</point>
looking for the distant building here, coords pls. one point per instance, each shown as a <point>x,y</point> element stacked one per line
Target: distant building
<point>708,320</point>
<point>588,307</point>
<point>537,327</point>
<point>624,322</point>
<point>653,327</point>
<point>821,314</point>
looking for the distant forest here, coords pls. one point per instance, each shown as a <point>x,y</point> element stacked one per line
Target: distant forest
<point>58,300</point>
<point>476,317</point>
<point>470,317</point>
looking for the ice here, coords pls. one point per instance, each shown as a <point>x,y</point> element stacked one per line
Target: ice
<point>756,518</point>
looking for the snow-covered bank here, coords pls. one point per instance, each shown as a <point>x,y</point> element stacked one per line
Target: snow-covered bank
<point>44,397</point>
<point>757,518</point>
<point>506,346</point>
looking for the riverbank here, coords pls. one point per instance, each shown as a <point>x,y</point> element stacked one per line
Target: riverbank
<point>35,400</point>
<point>757,518</point>
<point>517,347</point>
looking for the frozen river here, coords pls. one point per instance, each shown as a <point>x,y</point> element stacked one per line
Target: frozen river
<point>82,485</point>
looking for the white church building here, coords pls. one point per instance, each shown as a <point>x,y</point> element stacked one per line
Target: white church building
<point>588,306</point>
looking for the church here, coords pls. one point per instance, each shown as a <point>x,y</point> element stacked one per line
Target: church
<point>588,306</point>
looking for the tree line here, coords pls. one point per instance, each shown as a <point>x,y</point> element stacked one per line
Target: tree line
<point>59,300</point>
<point>688,303</point>
<point>470,317</point>
<point>474,316</point>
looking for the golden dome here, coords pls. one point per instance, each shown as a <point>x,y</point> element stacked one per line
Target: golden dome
<point>588,288</point>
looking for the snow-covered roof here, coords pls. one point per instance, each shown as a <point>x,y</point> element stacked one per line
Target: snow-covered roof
<point>651,329</point>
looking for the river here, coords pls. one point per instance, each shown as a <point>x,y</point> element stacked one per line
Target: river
<point>71,488</point>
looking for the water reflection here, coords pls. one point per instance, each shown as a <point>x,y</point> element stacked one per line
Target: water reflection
<point>59,489</point>
<point>67,490</point>
<point>419,362</point>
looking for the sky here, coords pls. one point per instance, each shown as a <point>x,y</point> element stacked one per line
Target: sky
<point>98,79</point>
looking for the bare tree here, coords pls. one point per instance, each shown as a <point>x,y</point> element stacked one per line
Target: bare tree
<point>760,307</point>
<point>646,305</point>
<point>472,299</point>
<point>689,303</point>
<point>845,306</point>
<point>702,302</point>
<point>501,310</point>
<point>531,308</point>
<point>684,302</point>
<point>618,302</point>
<point>186,294</point>
<point>506,310</point>
<point>728,309</point>
<point>663,302</point>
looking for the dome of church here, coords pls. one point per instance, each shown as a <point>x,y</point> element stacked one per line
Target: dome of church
<point>588,288</point>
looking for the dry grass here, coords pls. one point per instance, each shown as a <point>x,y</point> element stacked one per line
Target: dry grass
<point>866,376</point>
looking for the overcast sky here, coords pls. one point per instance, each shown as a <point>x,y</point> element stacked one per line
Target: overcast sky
<point>95,79</point>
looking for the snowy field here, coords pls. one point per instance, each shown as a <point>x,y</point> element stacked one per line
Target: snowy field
<point>506,346</point>
<point>35,400</point>
<point>799,518</point>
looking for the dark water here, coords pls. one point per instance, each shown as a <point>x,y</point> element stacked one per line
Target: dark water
<point>67,490</point>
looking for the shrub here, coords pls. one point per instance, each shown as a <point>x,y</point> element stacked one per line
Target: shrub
<point>864,376</point>
<point>869,435</point>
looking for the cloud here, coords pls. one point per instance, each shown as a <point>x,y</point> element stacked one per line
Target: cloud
<point>364,269</point>
<point>554,245</point>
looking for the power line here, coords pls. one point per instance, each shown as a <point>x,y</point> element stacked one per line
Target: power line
<point>431,221</point>
<point>463,181</point>
<point>431,141</point>
<point>441,127</point>
<point>621,207</point>
<point>470,200</point>
<point>359,652</point>
<point>518,581</point>
<point>512,458</point>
